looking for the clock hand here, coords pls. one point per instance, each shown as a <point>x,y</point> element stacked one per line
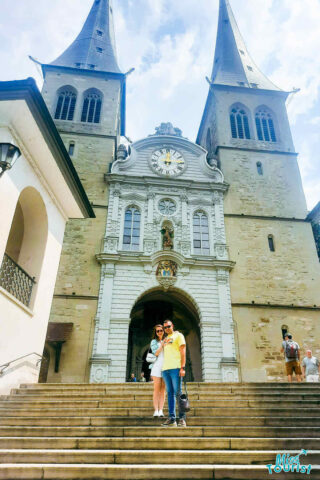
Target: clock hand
<point>168,159</point>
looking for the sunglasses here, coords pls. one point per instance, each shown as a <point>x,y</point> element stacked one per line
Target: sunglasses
<point>168,326</point>
<point>159,331</point>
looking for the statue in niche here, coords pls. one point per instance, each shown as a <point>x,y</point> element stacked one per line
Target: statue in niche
<point>167,237</point>
<point>167,268</point>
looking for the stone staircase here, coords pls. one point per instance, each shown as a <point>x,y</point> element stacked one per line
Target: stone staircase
<point>77,431</point>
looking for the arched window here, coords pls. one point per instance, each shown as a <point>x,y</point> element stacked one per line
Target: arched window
<point>91,110</point>
<point>239,122</point>
<point>265,125</point>
<point>25,248</point>
<point>131,233</point>
<point>66,104</point>
<point>201,244</point>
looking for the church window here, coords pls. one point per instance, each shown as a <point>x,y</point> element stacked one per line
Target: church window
<point>91,110</point>
<point>100,33</point>
<point>260,168</point>
<point>265,125</point>
<point>131,233</point>
<point>249,68</point>
<point>71,148</point>
<point>99,49</point>
<point>239,123</point>
<point>66,104</point>
<point>201,245</point>
<point>271,243</point>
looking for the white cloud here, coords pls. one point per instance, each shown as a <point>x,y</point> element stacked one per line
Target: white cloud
<point>171,44</point>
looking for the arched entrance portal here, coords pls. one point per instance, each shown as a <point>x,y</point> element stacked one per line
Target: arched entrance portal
<point>153,308</point>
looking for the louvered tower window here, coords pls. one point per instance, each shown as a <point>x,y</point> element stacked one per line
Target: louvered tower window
<point>201,244</point>
<point>239,123</point>
<point>265,125</point>
<point>66,104</point>
<point>131,233</point>
<point>91,110</point>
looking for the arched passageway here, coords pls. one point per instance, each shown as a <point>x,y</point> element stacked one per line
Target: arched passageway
<point>153,308</point>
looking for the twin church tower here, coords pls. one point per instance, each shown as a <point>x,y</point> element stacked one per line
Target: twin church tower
<point>212,234</point>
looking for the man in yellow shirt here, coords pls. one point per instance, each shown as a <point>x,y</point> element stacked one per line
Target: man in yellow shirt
<point>173,370</point>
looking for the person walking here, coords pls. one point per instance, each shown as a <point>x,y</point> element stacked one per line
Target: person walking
<point>173,370</point>
<point>311,368</point>
<point>291,352</point>
<point>159,388</point>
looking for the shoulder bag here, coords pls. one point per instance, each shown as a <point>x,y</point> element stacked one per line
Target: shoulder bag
<point>184,404</point>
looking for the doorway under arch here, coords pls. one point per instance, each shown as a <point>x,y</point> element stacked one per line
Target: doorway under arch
<point>152,308</point>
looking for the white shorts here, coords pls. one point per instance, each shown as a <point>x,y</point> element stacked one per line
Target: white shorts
<point>156,370</point>
<point>312,378</point>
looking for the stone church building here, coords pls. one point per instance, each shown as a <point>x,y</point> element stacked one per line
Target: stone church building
<point>213,235</point>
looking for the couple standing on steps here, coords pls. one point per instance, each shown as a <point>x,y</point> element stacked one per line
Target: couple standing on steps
<point>168,370</point>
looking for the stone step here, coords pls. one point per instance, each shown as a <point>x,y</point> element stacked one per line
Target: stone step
<point>148,457</point>
<point>34,398</point>
<point>136,412</point>
<point>214,431</point>
<point>139,472</point>
<point>109,403</point>
<point>151,421</point>
<point>162,443</point>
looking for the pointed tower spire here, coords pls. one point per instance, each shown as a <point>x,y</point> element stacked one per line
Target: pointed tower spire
<point>94,48</point>
<point>233,64</point>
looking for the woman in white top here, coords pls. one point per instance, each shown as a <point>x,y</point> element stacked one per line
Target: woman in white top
<point>159,388</point>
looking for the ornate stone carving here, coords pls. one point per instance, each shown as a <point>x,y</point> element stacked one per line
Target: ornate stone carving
<point>166,282</point>
<point>185,248</point>
<point>148,229</point>
<point>168,129</point>
<point>229,371</point>
<point>113,226</point>
<point>221,251</point>
<point>111,244</point>
<point>122,152</point>
<point>219,235</point>
<point>217,197</point>
<point>149,246</point>
<point>99,369</point>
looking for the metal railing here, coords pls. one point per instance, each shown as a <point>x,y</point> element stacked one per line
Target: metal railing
<point>16,281</point>
<point>7,365</point>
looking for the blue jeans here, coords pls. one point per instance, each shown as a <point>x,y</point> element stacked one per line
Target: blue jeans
<point>173,383</point>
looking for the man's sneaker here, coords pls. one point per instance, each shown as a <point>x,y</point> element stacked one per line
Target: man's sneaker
<point>182,422</point>
<point>170,422</point>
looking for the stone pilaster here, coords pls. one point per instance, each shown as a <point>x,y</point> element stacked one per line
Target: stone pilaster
<point>100,360</point>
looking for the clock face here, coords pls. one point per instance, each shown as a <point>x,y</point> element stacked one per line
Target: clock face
<point>167,161</point>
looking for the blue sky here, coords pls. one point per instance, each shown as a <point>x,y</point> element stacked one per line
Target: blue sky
<point>171,45</point>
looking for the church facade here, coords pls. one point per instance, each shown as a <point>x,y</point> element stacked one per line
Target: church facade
<point>212,234</point>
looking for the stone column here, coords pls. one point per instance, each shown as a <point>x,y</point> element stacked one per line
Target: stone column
<point>100,359</point>
<point>118,349</point>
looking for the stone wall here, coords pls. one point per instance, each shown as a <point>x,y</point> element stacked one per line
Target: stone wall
<point>290,275</point>
<point>260,336</point>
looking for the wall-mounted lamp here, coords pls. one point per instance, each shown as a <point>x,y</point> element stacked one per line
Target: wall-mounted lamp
<point>9,154</point>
